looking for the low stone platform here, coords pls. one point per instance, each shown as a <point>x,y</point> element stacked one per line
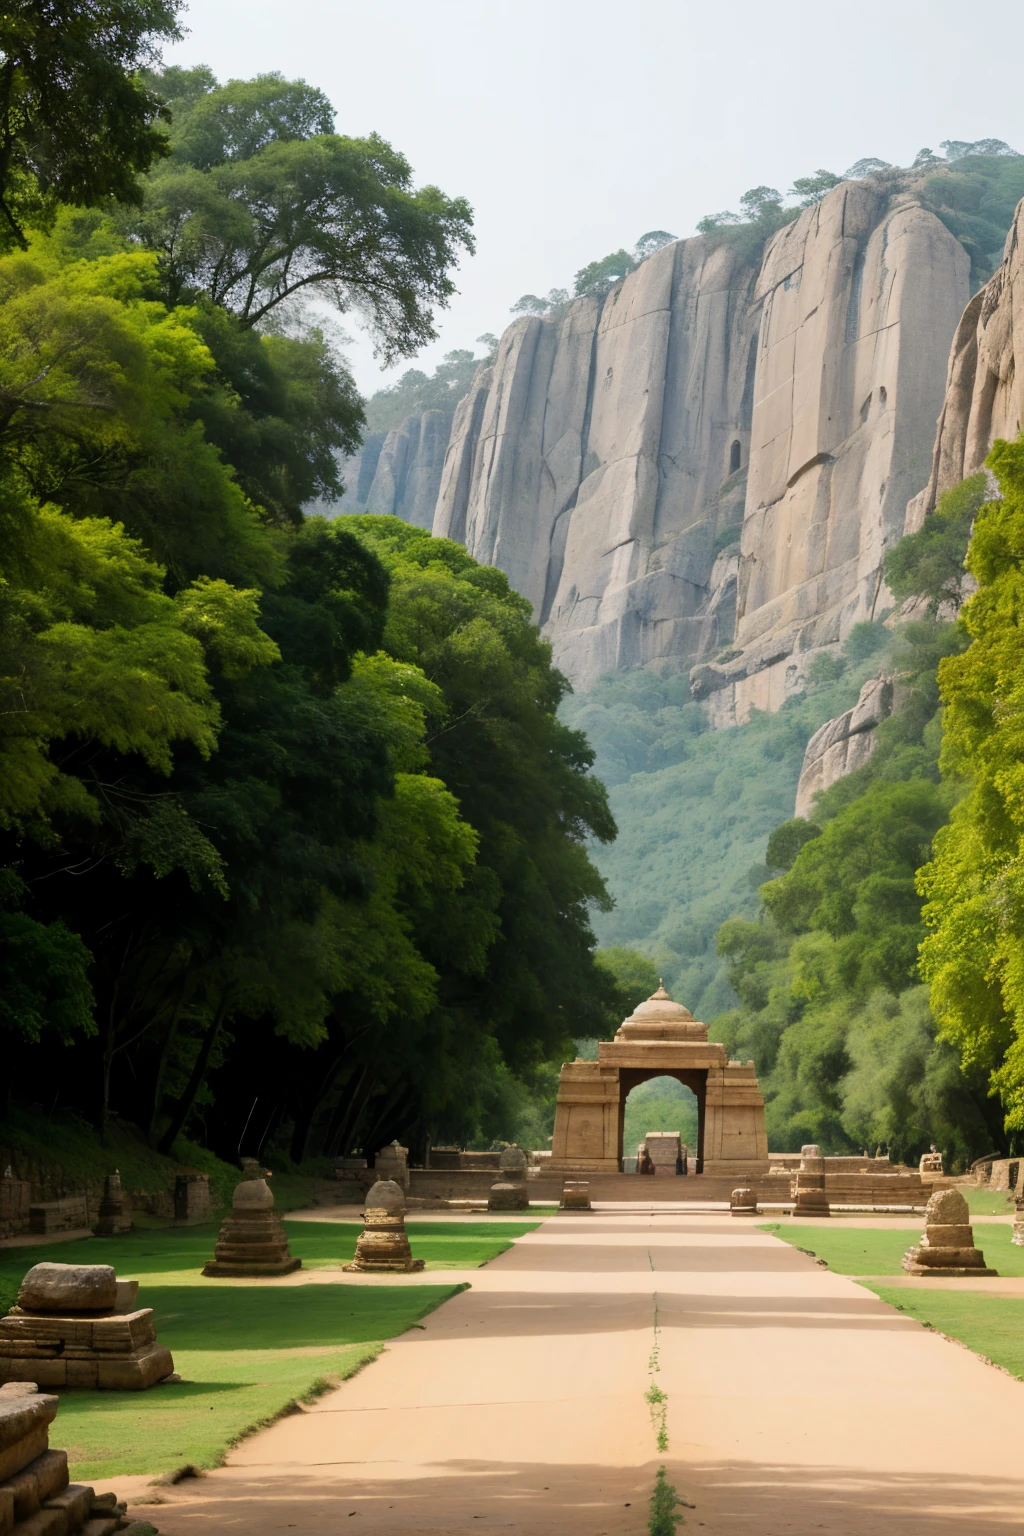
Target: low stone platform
<point>70,1328</point>
<point>36,1496</point>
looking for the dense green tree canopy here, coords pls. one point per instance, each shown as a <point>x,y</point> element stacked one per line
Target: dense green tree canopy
<point>77,122</point>
<point>260,204</point>
<point>973,956</point>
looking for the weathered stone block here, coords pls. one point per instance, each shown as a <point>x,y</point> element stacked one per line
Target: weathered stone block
<point>68,1288</point>
<point>19,1454</point>
<point>45,1522</point>
<point>76,1503</point>
<point>135,1372</point>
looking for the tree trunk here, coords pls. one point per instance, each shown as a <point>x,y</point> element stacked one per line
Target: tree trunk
<point>179,1114</point>
<point>306,1114</point>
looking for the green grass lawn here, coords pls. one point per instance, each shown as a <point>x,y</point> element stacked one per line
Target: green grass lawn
<point>245,1351</point>
<point>992,1326</point>
<point>988,1202</point>
<point>867,1251</point>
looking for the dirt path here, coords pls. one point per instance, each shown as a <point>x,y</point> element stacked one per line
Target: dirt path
<point>797,1403</point>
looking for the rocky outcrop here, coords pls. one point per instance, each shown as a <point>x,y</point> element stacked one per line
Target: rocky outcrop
<point>595,461</point>
<point>985,380</point>
<point>604,456</point>
<point>858,299</point>
<point>844,744</point>
<point>398,472</point>
<point>407,477</point>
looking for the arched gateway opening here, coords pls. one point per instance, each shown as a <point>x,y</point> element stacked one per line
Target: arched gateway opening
<point>661,1038</point>
<point>671,1104</point>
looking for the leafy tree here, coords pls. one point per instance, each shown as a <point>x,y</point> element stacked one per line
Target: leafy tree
<point>259,204</point>
<point>417,391</point>
<point>972,957</point>
<point>786,842</point>
<point>930,563</point>
<point>77,122</point>
<point>601,275</point>
<point>635,977</point>
<point>653,240</point>
<point>809,190</point>
<point>975,196</point>
<point>869,166</point>
<point>761,215</point>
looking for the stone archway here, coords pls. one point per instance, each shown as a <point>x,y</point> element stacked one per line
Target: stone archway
<point>661,1038</point>
<point>697,1082</point>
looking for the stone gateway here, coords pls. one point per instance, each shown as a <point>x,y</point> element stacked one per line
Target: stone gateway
<point>661,1038</point>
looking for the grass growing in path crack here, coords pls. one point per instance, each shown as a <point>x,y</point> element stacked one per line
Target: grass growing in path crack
<point>664,1507</point>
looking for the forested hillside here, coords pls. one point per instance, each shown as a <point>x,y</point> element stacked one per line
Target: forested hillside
<point>694,808</point>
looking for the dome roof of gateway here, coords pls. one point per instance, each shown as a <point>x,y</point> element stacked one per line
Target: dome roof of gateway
<point>660,1009</point>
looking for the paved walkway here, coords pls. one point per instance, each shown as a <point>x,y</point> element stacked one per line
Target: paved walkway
<point>797,1403</point>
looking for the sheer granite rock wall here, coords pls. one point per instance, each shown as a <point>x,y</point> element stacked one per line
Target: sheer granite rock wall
<point>601,455</point>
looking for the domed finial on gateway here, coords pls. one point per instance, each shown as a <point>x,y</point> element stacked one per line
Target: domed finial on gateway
<point>660,1013</point>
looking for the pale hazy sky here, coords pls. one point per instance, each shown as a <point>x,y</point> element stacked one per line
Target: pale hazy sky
<point>572,126</point>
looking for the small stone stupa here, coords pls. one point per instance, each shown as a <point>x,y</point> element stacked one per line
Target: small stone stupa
<point>112,1218</point>
<point>252,1240</point>
<point>510,1192</point>
<point>743,1202</point>
<point>811,1199</point>
<point>947,1247</point>
<point>383,1246</point>
<point>77,1325</point>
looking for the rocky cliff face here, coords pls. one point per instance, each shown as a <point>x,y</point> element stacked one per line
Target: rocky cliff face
<point>398,472</point>
<point>984,396</point>
<point>604,458</point>
<point>858,298</point>
<point>845,743</point>
<point>599,459</point>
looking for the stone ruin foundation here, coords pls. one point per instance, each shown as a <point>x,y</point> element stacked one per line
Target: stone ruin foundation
<point>252,1240</point>
<point>575,1195</point>
<point>510,1192</point>
<point>112,1217</point>
<point>947,1247</point>
<point>383,1246</point>
<point>77,1325</point>
<point>810,1198</point>
<point>392,1163</point>
<point>743,1202</point>
<point>36,1496</point>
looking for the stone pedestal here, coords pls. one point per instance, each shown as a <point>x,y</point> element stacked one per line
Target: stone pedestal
<point>930,1164</point>
<point>947,1247</point>
<point>36,1498</point>
<point>252,1240</point>
<point>69,1329</point>
<point>743,1202</point>
<point>510,1192</point>
<point>112,1218</point>
<point>575,1195</point>
<point>383,1246</point>
<point>1018,1225</point>
<point>665,1151</point>
<point>192,1197</point>
<point>810,1198</point>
